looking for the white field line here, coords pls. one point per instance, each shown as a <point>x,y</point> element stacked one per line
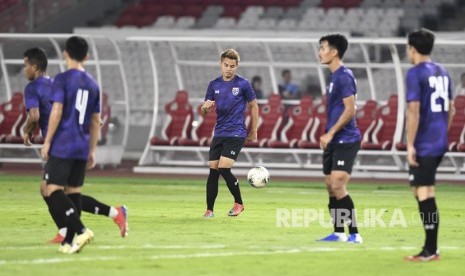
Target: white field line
<point>205,255</point>
<point>113,247</point>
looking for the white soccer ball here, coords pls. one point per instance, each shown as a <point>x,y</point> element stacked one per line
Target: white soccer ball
<point>258,177</point>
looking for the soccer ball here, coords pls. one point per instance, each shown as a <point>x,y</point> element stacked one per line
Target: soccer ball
<point>258,177</point>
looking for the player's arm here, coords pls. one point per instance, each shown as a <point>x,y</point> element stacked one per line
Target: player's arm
<point>94,133</point>
<point>53,122</point>
<point>252,136</point>
<point>451,114</point>
<point>31,123</point>
<point>346,116</point>
<point>413,120</point>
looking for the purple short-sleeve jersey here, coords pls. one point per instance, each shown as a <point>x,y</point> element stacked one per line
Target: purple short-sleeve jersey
<point>430,84</point>
<point>342,85</point>
<point>37,95</point>
<point>80,96</point>
<point>231,98</point>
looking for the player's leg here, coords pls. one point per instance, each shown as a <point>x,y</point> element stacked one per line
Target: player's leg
<point>213,176</point>
<point>60,221</point>
<point>422,180</point>
<point>231,149</point>
<point>118,214</point>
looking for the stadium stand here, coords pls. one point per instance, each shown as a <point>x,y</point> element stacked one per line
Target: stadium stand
<point>12,117</point>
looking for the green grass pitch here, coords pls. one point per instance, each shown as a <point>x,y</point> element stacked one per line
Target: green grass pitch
<point>167,235</point>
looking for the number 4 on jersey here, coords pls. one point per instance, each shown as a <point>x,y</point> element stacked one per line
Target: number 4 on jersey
<point>440,84</point>
<point>81,104</point>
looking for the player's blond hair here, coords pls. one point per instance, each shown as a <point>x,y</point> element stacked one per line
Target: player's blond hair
<point>231,54</point>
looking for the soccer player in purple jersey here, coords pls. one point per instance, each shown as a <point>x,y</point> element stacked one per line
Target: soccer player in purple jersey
<point>341,141</point>
<point>38,106</point>
<point>429,114</point>
<point>69,146</point>
<point>231,94</point>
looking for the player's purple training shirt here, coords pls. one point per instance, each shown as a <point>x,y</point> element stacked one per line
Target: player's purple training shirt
<point>231,98</point>
<point>342,85</point>
<point>80,96</point>
<point>37,95</point>
<point>430,84</point>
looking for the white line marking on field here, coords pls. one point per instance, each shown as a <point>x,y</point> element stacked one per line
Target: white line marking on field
<point>208,255</point>
<point>108,247</point>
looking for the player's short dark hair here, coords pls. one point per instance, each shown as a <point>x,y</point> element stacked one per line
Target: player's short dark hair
<point>285,71</point>
<point>231,54</point>
<point>38,57</point>
<point>422,40</point>
<point>256,79</point>
<point>336,41</point>
<point>77,48</point>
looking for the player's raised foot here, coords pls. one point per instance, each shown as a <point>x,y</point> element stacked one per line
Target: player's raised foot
<point>355,238</point>
<point>82,240</point>
<point>424,256</point>
<point>208,214</point>
<point>236,210</point>
<point>57,239</point>
<point>65,248</point>
<point>334,237</point>
<point>122,220</point>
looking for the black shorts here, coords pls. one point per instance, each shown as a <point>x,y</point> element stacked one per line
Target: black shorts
<point>425,174</point>
<point>229,147</point>
<point>65,172</point>
<point>340,157</point>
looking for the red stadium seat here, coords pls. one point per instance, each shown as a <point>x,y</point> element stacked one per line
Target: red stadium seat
<point>318,128</point>
<point>203,133</point>
<point>179,120</point>
<point>298,125</point>
<point>105,116</point>
<point>12,118</point>
<point>270,121</point>
<point>366,118</point>
<point>381,136</point>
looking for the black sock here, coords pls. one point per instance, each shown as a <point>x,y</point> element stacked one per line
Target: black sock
<point>430,216</point>
<point>212,188</point>
<point>93,206</point>
<point>76,199</point>
<point>65,207</point>
<point>59,220</point>
<point>332,210</point>
<point>347,204</point>
<point>233,184</point>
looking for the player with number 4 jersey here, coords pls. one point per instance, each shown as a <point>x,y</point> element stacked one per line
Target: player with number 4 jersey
<point>71,139</point>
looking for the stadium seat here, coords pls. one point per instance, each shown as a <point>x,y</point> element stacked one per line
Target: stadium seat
<point>269,123</point>
<point>178,123</point>
<point>202,134</point>
<point>366,117</point>
<point>457,128</point>
<point>300,118</point>
<point>318,128</point>
<point>12,117</point>
<point>381,136</point>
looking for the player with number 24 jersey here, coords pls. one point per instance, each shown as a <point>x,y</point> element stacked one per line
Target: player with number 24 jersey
<point>71,139</point>
<point>429,83</point>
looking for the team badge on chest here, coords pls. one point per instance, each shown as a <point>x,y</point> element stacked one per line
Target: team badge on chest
<point>235,91</point>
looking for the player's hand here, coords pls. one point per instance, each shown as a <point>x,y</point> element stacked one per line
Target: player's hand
<point>44,151</point>
<point>27,139</point>
<point>325,139</point>
<point>91,161</point>
<point>252,135</point>
<point>412,157</point>
<point>207,105</point>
